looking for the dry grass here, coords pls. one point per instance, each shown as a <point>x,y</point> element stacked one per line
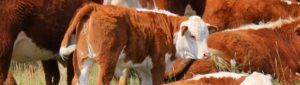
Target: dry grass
<point>32,73</point>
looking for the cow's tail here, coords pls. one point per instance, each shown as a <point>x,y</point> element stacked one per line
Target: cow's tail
<point>68,44</point>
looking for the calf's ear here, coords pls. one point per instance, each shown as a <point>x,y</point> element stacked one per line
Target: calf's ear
<point>183,30</point>
<point>212,29</point>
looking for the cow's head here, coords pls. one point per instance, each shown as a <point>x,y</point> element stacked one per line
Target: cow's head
<point>191,40</point>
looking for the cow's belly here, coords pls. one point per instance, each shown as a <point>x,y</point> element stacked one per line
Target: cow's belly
<point>26,50</point>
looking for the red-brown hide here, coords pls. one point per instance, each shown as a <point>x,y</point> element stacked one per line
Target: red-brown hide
<point>44,21</point>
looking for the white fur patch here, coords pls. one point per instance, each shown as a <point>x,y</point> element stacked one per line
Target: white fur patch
<point>157,11</point>
<point>168,62</point>
<point>71,47</point>
<point>63,52</point>
<point>254,79</point>
<point>126,3</point>
<point>257,79</point>
<point>289,2</point>
<point>26,50</point>
<point>269,25</point>
<point>84,72</point>
<point>219,75</point>
<point>188,47</point>
<point>91,52</point>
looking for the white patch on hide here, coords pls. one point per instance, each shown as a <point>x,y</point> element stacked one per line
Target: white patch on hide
<point>91,52</point>
<point>268,25</point>
<point>219,75</point>
<point>289,2</point>
<point>168,61</point>
<point>257,79</point>
<point>157,11</point>
<point>26,50</point>
<point>125,3</point>
<point>84,71</point>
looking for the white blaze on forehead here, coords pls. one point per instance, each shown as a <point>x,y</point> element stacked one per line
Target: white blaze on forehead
<point>196,26</point>
<point>186,46</point>
<point>157,11</point>
<point>257,79</point>
<point>219,75</point>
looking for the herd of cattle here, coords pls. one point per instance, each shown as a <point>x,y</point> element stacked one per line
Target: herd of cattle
<point>229,42</point>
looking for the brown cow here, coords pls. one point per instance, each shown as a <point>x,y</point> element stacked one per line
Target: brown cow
<point>142,40</point>
<point>227,78</point>
<point>44,21</point>
<point>271,48</point>
<point>227,14</point>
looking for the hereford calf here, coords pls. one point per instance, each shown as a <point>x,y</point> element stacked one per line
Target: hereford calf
<point>142,40</point>
<point>227,78</point>
<point>272,48</point>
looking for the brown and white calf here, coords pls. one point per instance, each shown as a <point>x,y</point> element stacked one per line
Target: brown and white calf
<point>271,48</point>
<point>143,40</point>
<point>227,78</point>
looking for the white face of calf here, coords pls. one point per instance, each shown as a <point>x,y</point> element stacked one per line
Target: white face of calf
<point>191,40</point>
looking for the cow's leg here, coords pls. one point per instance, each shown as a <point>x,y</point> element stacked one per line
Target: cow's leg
<point>107,63</point>
<point>51,71</point>
<point>76,69</point>
<point>107,68</point>
<point>158,70</point>
<point>82,65</point>
<point>5,57</point>
<point>70,70</point>
<point>123,77</point>
<point>84,71</point>
<point>8,34</point>
<point>10,80</point>
<point>12,17</point>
